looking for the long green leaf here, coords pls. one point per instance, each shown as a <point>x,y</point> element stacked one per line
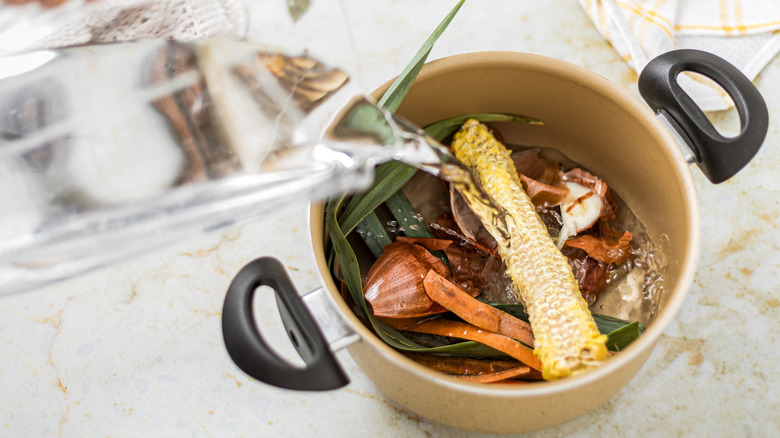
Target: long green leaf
<point>444,128</point>
<point>608,324</point>
<point>374,234</point>
<point>411,221</point>
<point>390,177</point>
<point>619,339</point>
<point>397,174</point>
<point>346,257</point>
<point>407,216</point>
<point>397,91</point>
<point>467,349</point>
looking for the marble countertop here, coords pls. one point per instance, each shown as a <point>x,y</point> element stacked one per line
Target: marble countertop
<point>136,349</point>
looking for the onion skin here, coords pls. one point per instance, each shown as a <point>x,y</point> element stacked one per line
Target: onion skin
<point>394,285</point>
<point>604,249</point>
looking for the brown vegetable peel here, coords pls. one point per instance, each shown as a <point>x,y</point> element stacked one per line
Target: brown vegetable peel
<point>604,249</point>
<point>394,283</point>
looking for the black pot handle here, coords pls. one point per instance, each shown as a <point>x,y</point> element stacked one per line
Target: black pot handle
<point>250,352</point>
<point>719,157</point>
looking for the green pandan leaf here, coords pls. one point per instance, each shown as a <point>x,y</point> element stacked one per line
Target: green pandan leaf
<point>620,338</point>
<point>389,178</point>
<point>374,234</point>
<point>410,220</point>
<point>394,95</point>
<point>407,216</point>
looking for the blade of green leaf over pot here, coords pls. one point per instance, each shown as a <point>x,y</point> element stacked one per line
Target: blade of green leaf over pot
<point>620,338</point>
<point>390,177</point>
<point>396,174</point>
<point>407,216</point>
<point>410,220</point>
<point>392,98</point>
<point>374,234</point>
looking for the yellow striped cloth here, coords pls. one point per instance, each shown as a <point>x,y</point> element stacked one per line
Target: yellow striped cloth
<point>744,32</point>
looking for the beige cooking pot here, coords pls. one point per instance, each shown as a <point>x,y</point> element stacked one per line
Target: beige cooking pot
<point>592,121</point>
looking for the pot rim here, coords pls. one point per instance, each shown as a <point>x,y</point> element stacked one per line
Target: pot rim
<point>663,139</point>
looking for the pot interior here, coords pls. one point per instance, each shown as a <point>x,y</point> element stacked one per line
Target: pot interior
<point>592,122</point>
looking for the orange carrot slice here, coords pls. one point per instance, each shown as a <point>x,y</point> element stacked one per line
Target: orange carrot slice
<point>498,375</point>
<point>474,311</point>
<point>462,330</point>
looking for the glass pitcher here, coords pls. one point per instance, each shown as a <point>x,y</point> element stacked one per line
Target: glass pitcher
<point>108,151</point>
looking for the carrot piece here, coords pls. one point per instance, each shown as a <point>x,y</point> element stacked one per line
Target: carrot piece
<point>462,330</point>
<point>461,365</point>
<point>429,243</point>
<point>474,311</point>
<point>498,375</point>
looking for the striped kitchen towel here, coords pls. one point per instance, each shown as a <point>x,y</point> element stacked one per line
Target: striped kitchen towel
<point>744,32</point>
<point>30,25</point>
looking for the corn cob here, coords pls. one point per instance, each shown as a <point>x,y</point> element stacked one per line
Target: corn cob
<point>567,339</point>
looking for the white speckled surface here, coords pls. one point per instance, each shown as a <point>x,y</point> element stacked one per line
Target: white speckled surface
<point>136,350</point>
